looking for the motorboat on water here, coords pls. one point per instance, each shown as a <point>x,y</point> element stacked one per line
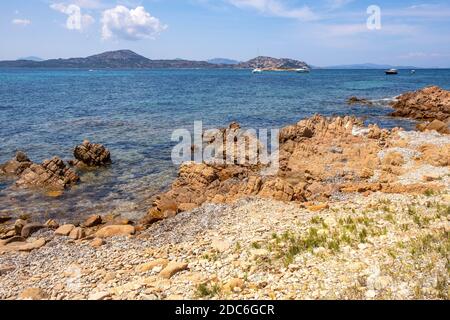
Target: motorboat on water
<point>413,71</point>
<point>302,70</point>
<point>257,70</point>
<point>391,71</point>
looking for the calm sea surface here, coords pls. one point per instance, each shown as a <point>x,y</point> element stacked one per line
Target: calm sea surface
<point>47,112</point>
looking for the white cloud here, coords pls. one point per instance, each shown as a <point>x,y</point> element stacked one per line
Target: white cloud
<point>21,22</point>
<point>75,20</point>
<point>88,4</point>
<point>130,24</point>
<point>276,8</point>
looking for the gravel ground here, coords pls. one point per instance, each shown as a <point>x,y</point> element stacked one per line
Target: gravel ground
<point>246,251</point>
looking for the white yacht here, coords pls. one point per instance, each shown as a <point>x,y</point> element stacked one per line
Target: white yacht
<point>257,70</point>
<point>302,70</point>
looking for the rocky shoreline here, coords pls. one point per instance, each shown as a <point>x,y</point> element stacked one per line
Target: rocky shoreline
<point>353,212</point>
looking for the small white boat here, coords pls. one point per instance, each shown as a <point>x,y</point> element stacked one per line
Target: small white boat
<point>391,71</point>
<point>302,70</point>
<point>413,71</point>
<point>257,70</point>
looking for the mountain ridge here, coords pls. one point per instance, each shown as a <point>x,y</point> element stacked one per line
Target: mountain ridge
<point>118,59</point>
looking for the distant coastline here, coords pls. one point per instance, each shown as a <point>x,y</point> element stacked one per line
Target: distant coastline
<point>127,59</point>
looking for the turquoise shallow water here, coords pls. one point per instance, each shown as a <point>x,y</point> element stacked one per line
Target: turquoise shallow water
<point>48,112</point>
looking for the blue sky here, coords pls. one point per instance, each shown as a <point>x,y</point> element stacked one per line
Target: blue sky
<point>321,32</point>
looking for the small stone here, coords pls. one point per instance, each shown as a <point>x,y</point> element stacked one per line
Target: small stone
<point>52,224</point>
<point>18,225</point>
<point>318,207</point>
<point>31,228</point>
<point>234,284</point>
<point>362,246</point>
<point>4,269</point>
<point>220,245</point>
<point>64,230</point>
<point>99,296</point>
<point>97,243</point>
<point>382,282</point>
<point>256,253</point>
<point>187,207</point>
<point>54,193</point>
<point>151,265</point>
<point>77,233</point>
<point>19,244</point>
<point>92,221</point>
<point>173,268</point>
<point>33,294</point>
<point>370,294</point>
<point>115,230</point>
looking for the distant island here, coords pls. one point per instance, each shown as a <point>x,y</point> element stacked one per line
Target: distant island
<point>268,63</point>
<point>127,59</point>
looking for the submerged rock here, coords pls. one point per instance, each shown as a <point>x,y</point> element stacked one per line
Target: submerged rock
<point>355,100</point>
<point>16,165</point>
<point>91,155</point>
<point>51,175</point>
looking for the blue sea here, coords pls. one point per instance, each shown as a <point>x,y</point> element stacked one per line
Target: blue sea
<point>45,113</point>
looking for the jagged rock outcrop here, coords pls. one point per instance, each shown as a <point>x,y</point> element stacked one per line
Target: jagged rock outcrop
<point>319,158</point>
<point>272,64</point>
<point>50,175</point>
<point>313,151</point>
<point>426,104</point>
<point>17,165</point>
<point>91,155</point>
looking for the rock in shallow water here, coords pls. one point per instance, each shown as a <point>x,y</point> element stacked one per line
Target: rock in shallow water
<point>91,155</point>
<point>16,165</point>
<point>51,175</point>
